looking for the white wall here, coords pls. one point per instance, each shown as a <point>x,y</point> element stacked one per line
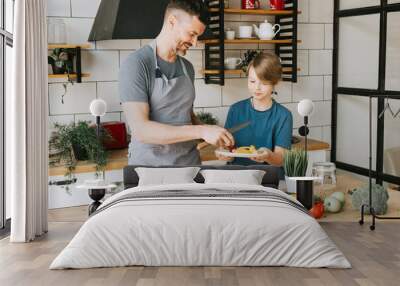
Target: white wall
<point>104,58</point>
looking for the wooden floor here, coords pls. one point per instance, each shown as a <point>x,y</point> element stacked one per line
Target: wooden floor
<point>375,257</point>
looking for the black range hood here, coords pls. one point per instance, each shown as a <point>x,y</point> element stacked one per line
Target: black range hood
<point>129,19</point>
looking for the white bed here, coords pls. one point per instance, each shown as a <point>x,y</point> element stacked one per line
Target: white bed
<point>185,230</point>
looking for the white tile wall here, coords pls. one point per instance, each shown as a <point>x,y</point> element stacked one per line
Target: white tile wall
<point>108,91</point>
<point>59,8</point>
<point>207,95</point>
<point>102,65</point>
<point>312,36</point>
<point>321,11</point>
<point>118,45</point>
<point>76,100</point>
<point>105,57</point>
<point>86,8</point>
<point>311,87</point>
<point>320,62</point>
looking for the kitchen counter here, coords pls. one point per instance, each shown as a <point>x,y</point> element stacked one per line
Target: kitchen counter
<point>118,159</point>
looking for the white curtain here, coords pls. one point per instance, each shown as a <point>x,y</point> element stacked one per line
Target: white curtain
<point>27,151</point>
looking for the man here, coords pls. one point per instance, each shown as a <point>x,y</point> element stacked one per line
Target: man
<point>157,93</point>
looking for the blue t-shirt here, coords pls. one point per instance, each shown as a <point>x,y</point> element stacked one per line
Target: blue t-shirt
<point>269,128</point>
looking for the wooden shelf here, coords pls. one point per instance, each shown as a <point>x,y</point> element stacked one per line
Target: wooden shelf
<point>255,11</point>
<point>66,46</point>
<point>72,76</point>
<point>250,41</point>
<point>239,72</point>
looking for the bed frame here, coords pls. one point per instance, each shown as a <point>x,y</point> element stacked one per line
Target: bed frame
<point>271,178</point>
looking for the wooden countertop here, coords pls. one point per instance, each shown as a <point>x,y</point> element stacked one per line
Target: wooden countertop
<point>118,159</point>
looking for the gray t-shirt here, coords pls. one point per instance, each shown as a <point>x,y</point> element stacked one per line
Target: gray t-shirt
<point>138,72</point>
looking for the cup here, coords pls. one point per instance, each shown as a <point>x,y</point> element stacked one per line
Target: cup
<point>245,31</point>
<point>230,35</point>
<point>232,63</point>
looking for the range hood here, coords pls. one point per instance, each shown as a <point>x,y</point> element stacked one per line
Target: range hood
<point>129,19</point>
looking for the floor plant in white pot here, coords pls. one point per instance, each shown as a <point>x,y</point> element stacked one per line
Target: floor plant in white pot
<point>295,165</point>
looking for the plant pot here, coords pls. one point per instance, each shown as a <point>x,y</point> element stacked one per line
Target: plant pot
<point>304,191</point>
<point>290,184</point>
<point>79,152</point>
<point>57,70</point>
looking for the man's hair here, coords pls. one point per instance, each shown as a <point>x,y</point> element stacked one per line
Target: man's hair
<point>192,7</point>
<point>267,67</point>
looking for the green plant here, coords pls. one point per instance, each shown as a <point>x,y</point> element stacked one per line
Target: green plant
<point>248,57</point>
<point>379,195</point>
<point>79,141</point>
<point>61,60</point>
<point>295,163</point>
<point>207,118</point>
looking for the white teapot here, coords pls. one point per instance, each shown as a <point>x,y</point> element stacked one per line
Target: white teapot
<point>266,30</point>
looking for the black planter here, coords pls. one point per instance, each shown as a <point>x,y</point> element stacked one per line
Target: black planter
<point>304,192</point>
<point>96,195</point>
<point>58,70</point>
<point>80,153</point>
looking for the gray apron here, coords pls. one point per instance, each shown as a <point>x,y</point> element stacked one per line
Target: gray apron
<point>171,102</point>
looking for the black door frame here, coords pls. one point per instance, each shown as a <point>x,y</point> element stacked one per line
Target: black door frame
<point>380,93</point>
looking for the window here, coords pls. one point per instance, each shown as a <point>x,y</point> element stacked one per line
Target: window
<point>366,66</point>
<point>6,44</point>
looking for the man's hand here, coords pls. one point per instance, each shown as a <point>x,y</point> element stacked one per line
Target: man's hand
<point>216,135</point>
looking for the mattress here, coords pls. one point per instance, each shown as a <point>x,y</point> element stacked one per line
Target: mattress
<point>201,225</point>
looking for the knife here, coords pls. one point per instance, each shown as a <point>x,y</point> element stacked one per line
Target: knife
<point>232,130</point>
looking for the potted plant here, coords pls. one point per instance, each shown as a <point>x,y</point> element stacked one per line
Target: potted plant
<point>61,60</point>
<point>248,57</point>
<point>207,118</point>
<point>295,165</point>
<point>78,142</point>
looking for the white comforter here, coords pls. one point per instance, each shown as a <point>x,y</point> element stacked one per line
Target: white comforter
<point>200,231</point>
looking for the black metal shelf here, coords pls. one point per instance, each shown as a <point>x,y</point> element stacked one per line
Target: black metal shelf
<point>285,41</point>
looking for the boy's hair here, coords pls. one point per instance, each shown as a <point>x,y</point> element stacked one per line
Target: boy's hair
<point>192,7</point>
<point>267,67</point>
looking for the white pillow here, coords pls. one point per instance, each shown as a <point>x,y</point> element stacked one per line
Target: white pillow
<point>166,176</point>
<point>248,177</point>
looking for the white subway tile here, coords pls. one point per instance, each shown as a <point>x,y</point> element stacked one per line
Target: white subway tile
<point>320,62</point>
<point>196,58</point>
<point>311,87</point>
<point>102,65</point>
<point>58,8</point>
<point>78,30</point>
<point>86,8</point>
<point>220,113</point>
<point>302,62</point>
<point>303,6</point>
<point>284,90</point>
<point>327,134</point>
<point>76,100</point>
<point>108,91</point>
<point>207,94</point>
<point>118,45</point>
<point>328,36</point>
<point>123,55</point>
<point>297,119</point>
<point>321,11</point>
<point>328,87</point>
<point>315,133</point>
<point>322,114</point>
<point>60,119</point>
<point>109,116</point>
<point>311,36</point>
<point>234,90</point>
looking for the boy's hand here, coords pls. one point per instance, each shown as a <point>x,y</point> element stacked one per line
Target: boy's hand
<point>263,156</point>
